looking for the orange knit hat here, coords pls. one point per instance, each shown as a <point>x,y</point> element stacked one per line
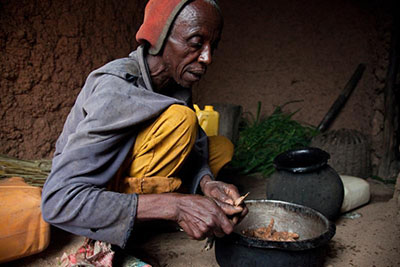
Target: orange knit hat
<point>158,18</point>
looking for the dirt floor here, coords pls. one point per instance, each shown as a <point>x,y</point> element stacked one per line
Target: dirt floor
<point>367,236</point>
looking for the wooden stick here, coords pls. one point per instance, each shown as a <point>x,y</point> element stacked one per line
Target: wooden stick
<point>240,200</point>
<point>342,98</point>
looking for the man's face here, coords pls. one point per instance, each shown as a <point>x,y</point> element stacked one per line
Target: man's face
<point>190,46</point>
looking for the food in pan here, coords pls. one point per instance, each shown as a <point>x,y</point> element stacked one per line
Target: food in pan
<point>268,233</point>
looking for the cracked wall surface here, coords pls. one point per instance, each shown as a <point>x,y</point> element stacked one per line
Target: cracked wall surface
<point>47,50</point>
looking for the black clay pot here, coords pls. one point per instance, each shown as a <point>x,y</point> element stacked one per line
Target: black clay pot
<point>304,177</point>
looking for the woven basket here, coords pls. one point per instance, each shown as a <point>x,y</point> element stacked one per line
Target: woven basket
<point>349,150</point>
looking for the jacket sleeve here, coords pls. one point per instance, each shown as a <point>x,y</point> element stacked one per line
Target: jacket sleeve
<point>74,198</point>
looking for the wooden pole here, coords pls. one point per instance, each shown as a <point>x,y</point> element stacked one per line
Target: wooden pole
<point>342,98</point>
<point>387,166</point>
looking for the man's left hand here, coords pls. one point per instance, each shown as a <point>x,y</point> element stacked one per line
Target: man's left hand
<point>224,195</point>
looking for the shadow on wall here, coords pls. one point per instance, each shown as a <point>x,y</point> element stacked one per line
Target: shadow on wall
<point>281,51</point>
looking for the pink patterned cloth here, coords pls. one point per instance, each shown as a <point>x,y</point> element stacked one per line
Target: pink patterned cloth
<point>92,253</point>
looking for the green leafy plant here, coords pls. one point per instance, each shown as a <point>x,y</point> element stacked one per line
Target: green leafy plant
<point>262,139</point>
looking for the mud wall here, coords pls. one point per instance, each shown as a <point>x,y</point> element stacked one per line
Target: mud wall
<point>271,51</point>
<point>47,50</point>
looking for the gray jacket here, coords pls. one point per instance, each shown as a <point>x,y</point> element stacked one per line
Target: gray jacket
<point>97,136</point>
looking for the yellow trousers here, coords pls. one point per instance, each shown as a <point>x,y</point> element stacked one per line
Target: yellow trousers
<point>160,151</point>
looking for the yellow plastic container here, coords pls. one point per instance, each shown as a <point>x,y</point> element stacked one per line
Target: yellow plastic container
<point>23,231</point>
<point>208,119</point>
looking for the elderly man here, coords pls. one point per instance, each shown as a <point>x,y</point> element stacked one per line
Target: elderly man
<point>131,149</point>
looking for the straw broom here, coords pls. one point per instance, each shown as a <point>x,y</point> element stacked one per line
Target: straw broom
<point>34,172</point>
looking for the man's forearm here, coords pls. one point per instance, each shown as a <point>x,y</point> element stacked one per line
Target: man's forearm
<point>157,206</point>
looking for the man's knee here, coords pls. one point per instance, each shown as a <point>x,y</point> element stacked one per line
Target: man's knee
<point>226,145</point>
<point>181,117</point>
<point>221,152</point>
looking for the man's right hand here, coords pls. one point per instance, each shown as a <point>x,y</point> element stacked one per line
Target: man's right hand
<point>198,216</point>
<point>201,217</point>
